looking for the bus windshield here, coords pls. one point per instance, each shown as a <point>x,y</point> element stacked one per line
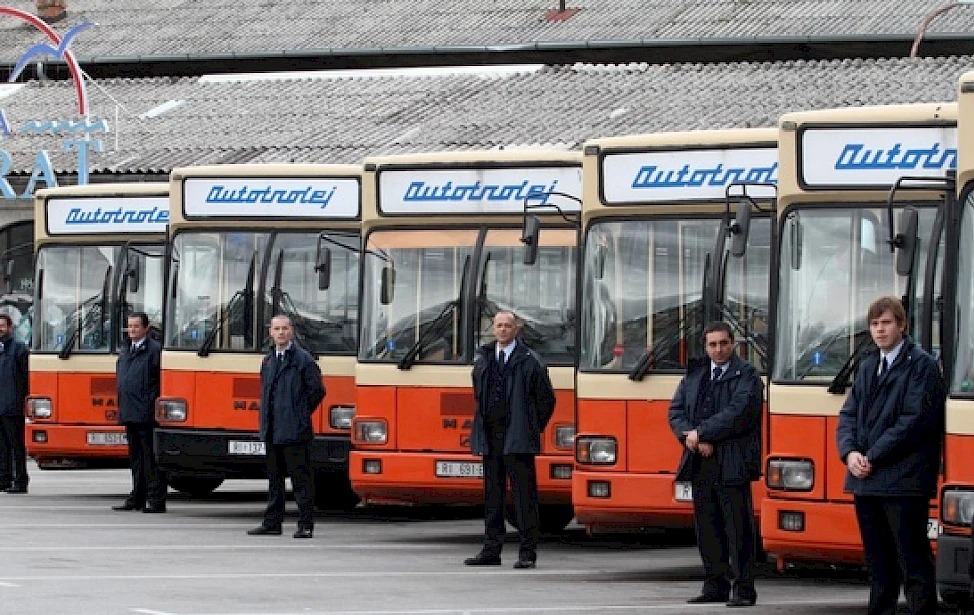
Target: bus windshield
<point>962,381</point>
<point>833,263</point>
<point>643,292</point>
<point>218,277</point>
<point>77,295</point>
<point>430,268</point>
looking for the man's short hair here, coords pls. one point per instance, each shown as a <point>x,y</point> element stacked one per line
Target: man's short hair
<point>891,304</point>
<point>142,316</point>
<point>517,321</point>
<point>6,317</point>
<point>719,325</point>
<point>284,316</point>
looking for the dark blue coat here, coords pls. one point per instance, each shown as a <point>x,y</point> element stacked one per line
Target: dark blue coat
<point>734,428</point>
<point>899,428</point>
<point>13,371</point>
<point>530,399</point>
<point>137,378</point>
<point>297,390</point>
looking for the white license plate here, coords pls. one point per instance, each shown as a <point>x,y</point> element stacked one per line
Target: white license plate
<point>248,447</point>
<point>933,529</point>
<point>683,492</point>
<point>107,438</point>
<point>459,469</point>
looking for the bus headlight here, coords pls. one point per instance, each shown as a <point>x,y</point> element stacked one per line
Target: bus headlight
<point>370,432</point>
<point>791,474</point>
<point>171,410</point>
<point>957,507</point>
<point>564,435</point>
<point>340,417</point>
<point>595,450</point>
<point>39,407</point>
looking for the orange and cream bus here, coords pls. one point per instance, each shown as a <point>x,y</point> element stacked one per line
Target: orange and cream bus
<point>836,255</point>
<point>656,218</point>
<point>247,242</point>
<point>442,254</point>
<point>99,256</point>
<point>957,497</point>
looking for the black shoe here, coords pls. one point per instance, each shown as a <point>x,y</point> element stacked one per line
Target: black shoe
<point>128,506</point>
<point>303,532</point>
<point>525,562</point>
<point>483,559</point>
<point>707,598</point>
<point>739,601</point>
<point>16,489</point>
<point>265,530</point>
<point>154,508</point>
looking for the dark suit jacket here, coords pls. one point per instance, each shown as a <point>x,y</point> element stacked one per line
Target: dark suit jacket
<point>735,426</point>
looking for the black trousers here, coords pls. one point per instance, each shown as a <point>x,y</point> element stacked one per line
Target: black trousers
<point>724,521</point>
<point>148,481</point>
<point>894,538</point>
<point>293,460</point>
<point>523,474</point>
<point>13,452</point>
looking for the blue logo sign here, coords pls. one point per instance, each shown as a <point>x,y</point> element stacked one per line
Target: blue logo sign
<point>245,194</point>
<point>422,192</point>
<point>856,157</point>
<point>651,176</point>
<point>153,215</point>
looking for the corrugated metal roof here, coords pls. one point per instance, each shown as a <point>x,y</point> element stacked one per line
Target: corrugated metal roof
<point>189,27</point>
<point>343,120</point>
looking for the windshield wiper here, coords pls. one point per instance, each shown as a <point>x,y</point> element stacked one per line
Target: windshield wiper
<point>102,299</point>
<point>247,295</point>
<point>840,383</point>
<point>651,356</point>
<point>433,329</point>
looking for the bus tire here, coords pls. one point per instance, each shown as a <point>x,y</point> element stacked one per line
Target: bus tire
<point>195,486</point>
<point>333,491</point>
<point>552,518</point>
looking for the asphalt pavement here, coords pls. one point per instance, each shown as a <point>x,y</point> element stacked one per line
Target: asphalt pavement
<point>63,550</point>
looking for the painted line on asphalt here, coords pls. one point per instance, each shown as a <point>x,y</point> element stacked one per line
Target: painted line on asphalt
<point>641,608</point>
<point>151,612</point>
<point>198,547</point>
<point>4,584</point>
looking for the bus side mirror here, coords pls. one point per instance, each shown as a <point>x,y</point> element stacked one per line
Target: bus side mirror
<point>796,243</point>
<point>323,267</point>
<point>388,285</point>
<point>739,228</point>
<point>598,261</point>
<point>133,273</point>
<point>906,241</point>
<point>529,237</point>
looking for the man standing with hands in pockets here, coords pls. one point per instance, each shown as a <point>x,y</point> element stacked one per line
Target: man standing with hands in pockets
<point>889,436</point>
<point>515,401</point>
<point>716,414</point>
<point>291,390</point>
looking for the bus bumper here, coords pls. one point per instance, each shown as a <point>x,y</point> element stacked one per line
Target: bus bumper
<point>631,501</point>
<point>393,477</point>
<point>829,531</point>
<point>206,451</point>
<point>953,567</point>
<point>55,446</point>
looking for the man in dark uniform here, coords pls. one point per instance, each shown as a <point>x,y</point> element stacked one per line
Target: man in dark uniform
<point>889,436</point>
<point>137,379</point>
<point>515,401</point>
<point>716,414</point>
<point>13,393</point>
<point>291,390</point>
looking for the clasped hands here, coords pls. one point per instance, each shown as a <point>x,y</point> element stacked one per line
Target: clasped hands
<point>694,444</point>
<point>859,466</point>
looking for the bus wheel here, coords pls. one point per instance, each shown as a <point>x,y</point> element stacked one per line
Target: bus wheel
<point>196,486</point>
<point>552,518</point>
<point>333,491</point>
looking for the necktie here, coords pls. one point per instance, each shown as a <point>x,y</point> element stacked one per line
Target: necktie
<point>883,367</point>
<point>717,372</point>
